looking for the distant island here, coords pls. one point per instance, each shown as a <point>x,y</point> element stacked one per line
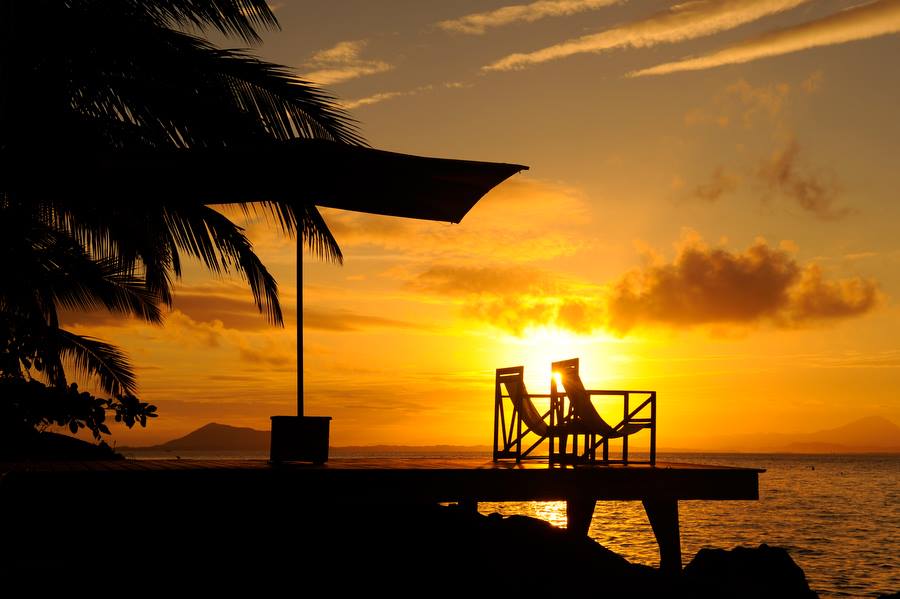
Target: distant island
<point>223,437</point>
<point>873,434</point>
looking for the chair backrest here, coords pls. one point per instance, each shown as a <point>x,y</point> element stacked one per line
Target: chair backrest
<point>579,398</point>
<point>514,380</point>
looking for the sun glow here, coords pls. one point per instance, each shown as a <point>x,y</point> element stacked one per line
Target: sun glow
<point>539,347</point>
<point>558,377</point>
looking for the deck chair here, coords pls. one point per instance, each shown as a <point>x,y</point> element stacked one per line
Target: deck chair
<point>525,426</point>
<point>573,409</point>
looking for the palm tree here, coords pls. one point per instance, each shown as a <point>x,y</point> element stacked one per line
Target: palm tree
<point>43,270</point>
<point>90,75</point>
<point>51,271</point>
<point>132,74</point>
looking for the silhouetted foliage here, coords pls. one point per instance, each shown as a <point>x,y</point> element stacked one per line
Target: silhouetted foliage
<point>81,76</point>
<point>28,405</point>
<point>132,75</point>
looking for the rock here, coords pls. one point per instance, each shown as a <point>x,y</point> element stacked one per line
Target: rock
<point>745,572</point>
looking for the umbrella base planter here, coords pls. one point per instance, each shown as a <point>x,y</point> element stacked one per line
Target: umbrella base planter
<point>300,439</point>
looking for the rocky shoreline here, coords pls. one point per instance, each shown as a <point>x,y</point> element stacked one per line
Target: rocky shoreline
<point>421,550</point>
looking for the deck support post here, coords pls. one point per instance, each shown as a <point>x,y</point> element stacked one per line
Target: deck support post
<point>579,512</point>
<point>663,516</point>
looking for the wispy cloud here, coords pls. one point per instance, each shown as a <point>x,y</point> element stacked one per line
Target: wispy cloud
<point>345,321</point>
<point>343,62</point>
<point>383,96</point>
<point>478,23</point>
<point>377,98</point>
<point>688,20</point>
<point>874,19</point>
<point>815,191</point>
<point>721,182</point>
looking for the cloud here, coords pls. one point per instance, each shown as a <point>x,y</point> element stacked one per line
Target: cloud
<point>747,104</point>
<point>754,100</point>
<point>348,51</point>
<point>720,183</point>
<point>346,321</point>
<point>238,313</point>
<point>814,191</point>
<point>873,19</point>
<point>816,299</point>
<point>514,297</point>
<point>478,23</point>
<point>706,286</point>
<point>492,280</point>
<point>382,96</point>
<point>376,98</point>
<point>743,102</point>
<point>784,173</point>
<point>814,82</point>
<point>228,304</point>
<point>343,63</point>
<point>684,21</point>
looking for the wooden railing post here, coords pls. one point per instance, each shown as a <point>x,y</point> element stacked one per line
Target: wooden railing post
<point>625,437</point>
<point>653,429</point>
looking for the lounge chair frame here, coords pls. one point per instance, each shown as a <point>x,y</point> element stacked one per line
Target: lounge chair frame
<point>565,416</point>
<point>511,430</point>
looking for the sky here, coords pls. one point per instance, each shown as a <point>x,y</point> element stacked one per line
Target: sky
<point>710,212</point>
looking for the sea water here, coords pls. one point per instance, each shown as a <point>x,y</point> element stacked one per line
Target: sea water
<point>837,515</point>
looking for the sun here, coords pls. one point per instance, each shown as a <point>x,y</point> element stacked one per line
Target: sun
<point>538,347</point>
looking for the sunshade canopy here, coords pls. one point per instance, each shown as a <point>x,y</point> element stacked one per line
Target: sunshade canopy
<point>319,172</point>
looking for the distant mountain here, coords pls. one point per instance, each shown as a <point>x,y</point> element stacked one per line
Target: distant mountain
<point>869,434</point>
<point>223,437</point>
<point>215,437</point>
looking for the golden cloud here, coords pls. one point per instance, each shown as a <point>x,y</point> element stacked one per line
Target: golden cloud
<point>868,20</point>
<point>706,285</point>
<point>343,63</point>
<point>702,286</point>
<point>514,298</point>
<point>478,23</point>
<point>681,22</point>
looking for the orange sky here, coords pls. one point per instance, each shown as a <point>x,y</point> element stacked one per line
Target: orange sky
<point>710,212</point>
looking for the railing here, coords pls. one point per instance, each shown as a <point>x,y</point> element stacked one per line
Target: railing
<point>514,437</point>
<point>632,421</point>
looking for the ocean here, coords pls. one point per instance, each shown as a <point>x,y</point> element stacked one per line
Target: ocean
<point>837,515</point>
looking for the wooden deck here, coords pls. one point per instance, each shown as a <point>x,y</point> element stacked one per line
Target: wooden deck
<point>251,484</point>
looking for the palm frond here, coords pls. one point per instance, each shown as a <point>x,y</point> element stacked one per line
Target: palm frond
<point>93,358</point>
<point>191,94</point>
<point>229,17</point>
<point>317,236</point>
<point>76,281</point>
<point>221,246</point>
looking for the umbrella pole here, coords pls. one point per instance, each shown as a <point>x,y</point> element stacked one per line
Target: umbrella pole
<point>299,325</point>
<point>300,438</point>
